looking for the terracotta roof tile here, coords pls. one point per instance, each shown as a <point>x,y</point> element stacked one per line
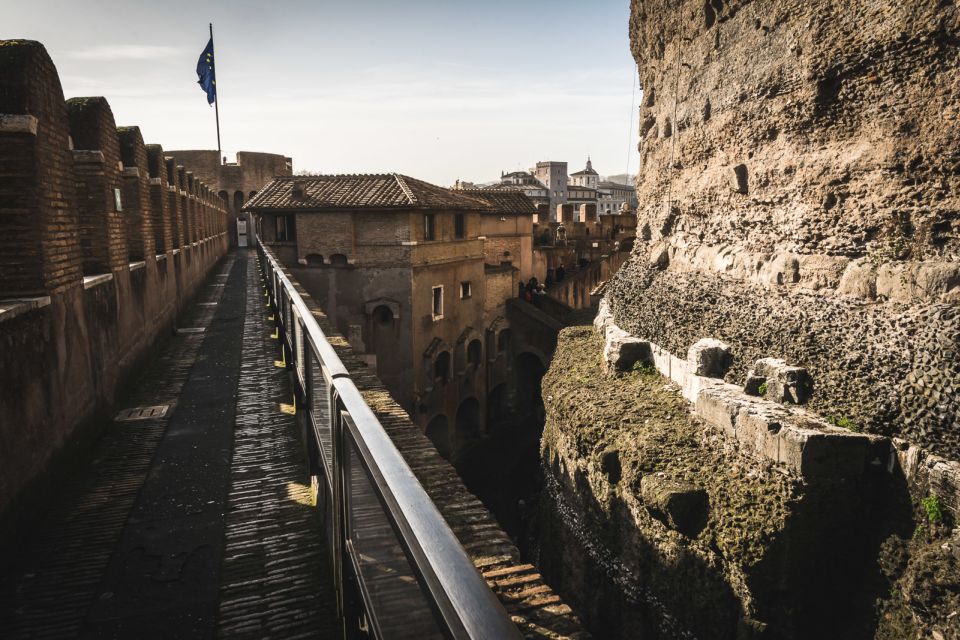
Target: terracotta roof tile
<point>376,191</point>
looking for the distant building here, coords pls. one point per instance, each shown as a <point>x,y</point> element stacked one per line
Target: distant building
<point>611,196</point>
<point>235,182</point>
<point>586,177</point>
<point>417,277</point>
<point>553,175</point>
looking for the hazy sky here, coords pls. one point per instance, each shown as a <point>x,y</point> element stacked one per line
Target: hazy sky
<point>437,89</point>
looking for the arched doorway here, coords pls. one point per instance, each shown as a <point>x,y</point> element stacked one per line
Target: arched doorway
<point>499,413</point>
<point>529,371</point>
<point>467,425</point>
<point>438,430</point>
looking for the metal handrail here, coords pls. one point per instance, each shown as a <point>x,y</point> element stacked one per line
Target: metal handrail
<point>465,605</point>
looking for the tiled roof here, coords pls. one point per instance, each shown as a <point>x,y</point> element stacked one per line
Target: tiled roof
<point>375,191</point>
<point>585,172</point>
<point>503,200</point>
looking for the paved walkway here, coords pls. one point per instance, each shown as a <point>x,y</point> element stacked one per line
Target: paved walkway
<point>193,524</point>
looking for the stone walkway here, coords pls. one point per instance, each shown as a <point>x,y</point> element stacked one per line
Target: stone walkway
<point>191,524</point>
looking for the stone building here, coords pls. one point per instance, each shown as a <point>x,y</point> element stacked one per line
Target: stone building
<point>611,196</point>
<point>416,276</point>
<point>586,177</point>
<point>553,175</point>
<point>236,182</point>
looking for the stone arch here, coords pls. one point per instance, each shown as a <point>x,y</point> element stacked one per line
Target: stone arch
<point>475,353</point>
<point>338,260</point>
<point>438,430</point>
<point>467,426</point>
<point>498,406</point>
<point>441,367</point>
<point>314,260</point>
<point>382,316</point>
<point>504,338</point>
<point>237,202</point>
<point>226,198</point>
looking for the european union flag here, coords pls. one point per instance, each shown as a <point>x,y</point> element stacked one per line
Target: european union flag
<point>207,73</point>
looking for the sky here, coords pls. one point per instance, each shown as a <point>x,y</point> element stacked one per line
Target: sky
<point>435,89</point>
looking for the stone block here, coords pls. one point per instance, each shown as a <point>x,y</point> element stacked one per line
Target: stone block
<point>785,383</point>
<point>604,317</point>
<point>621,350</point>
<point>709,357</point>
<point>717,406</point>
<point>678,370</point>
<point>822,454</point>
<point>678,504</point>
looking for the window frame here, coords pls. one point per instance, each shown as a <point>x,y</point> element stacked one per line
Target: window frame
<point>460,225</point>
<point>429,227</point>
<point>466,286</point>
<point>433,302</point>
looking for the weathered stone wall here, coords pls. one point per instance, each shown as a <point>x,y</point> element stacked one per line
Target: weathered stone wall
<point>67,350</point>
<point>798,199</point>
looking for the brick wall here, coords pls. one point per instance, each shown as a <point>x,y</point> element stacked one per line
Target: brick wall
<point>39,236</point>
<point>96,158</point>
<point>136,194</point>
<point>65,355</point>
<point>159,203</point>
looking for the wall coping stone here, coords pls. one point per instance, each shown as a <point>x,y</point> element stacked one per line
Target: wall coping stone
<point>18,123</point>
<point>155,182</point>
<point>13,307</point>
<point>90,282</point>
<point>88,156</point>
<point>131,172</point>
<point>137,265</point>
<point>786,435</point>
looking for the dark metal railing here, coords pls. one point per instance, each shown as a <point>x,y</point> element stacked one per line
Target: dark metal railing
<point>400,570</point>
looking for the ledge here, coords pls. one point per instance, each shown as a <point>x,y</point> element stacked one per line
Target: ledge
<point>155,182</point>
<point>90,282</point>
<point>161,256</point>
<point>88,156</point>
<point>137,265</point>
<point>131,172</point>
<point>18,123</point>
<point>787,435</point>
<point>176,251</point>
<point>14,307</point>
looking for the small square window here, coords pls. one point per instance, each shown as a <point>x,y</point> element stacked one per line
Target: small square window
<point>438,302</point>
<point>466,290</point>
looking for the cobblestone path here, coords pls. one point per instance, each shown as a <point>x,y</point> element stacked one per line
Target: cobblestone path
<point>192,524</point>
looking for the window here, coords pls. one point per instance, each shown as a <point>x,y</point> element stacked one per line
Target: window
<point>429,227</point>
<point>441,367</point>
<point>474,353</point>
<point>438,302</point>
<point>459,225</point>
<point>286,229</point>
<point>466,290</point>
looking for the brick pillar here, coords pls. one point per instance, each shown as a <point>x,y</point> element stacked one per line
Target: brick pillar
<point>136,194</point>
<point>186,229</point>
<point>191,207</point>
<point>39,226</point>
<point>159,202</point>
<point>588,213</point>
<point>173,203</point>
<point>96,163</point>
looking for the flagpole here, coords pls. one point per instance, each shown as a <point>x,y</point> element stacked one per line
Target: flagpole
<point>216,100</point>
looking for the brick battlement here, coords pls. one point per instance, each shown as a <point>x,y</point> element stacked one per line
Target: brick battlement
<point>96,260</point>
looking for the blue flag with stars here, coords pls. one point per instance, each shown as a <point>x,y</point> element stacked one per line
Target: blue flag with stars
<point>207,74</point>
